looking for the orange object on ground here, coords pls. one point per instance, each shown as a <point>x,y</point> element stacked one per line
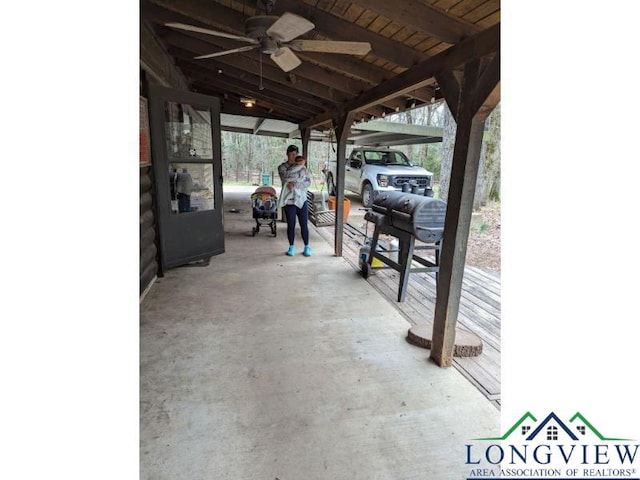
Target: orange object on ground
<point>347,207</point>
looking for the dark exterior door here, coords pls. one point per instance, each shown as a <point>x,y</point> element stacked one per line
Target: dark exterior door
<point>185,138</point>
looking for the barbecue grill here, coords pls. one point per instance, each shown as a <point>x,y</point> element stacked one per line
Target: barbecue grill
<point>406,216</point>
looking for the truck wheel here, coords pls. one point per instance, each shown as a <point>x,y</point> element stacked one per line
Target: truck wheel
<point>331,187</point>
<point>367,195</point>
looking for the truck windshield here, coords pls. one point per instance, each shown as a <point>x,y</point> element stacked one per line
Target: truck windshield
<point>374,157</point>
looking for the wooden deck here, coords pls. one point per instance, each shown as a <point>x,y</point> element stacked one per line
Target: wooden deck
<point>479,309</point>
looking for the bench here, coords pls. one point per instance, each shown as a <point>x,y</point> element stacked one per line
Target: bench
<point>319,215</point>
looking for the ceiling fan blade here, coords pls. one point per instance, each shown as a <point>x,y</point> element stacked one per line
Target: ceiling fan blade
<point>289,26</point>
<point>227,52</point>
<point>286,59</point>
<point>216,33</point>
<point>330,46</point>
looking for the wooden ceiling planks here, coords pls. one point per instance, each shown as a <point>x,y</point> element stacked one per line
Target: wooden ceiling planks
<point>325,5</point>
<point>391,29</point>
<point>489,21</point>
<point>353,13</point>
<point>378,24</point>
<point>399,42</point>
<point>444,5</point>
<point>423,17</point>
<point>463,7</point>
<point>487,8</point>
<point>365,18</point>
<point>340,7</point>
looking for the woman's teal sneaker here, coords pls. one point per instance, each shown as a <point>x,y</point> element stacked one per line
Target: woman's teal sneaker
<point>307,251</point>
<point>292,250</point>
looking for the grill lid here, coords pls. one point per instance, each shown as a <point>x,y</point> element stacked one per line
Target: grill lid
<point>416,214</point>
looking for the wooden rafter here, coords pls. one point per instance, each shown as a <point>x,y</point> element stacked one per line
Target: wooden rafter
<point>484,43</point>
<point>424,18</point>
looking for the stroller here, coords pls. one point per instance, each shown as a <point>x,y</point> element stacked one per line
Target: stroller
<point>265,209</point>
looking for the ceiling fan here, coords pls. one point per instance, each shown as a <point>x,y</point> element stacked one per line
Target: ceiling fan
<point>275,36</point>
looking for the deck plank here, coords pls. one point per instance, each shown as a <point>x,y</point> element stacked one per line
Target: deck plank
<point>479,312</point>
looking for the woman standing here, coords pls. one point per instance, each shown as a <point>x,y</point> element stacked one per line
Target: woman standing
<point>293,199</point>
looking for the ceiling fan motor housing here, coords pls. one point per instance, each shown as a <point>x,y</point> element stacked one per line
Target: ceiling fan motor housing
<point>256,27</point>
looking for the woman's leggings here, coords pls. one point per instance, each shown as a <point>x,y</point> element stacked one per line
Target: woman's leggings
<point>291,211</point>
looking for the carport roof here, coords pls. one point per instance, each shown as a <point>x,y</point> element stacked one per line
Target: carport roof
<point>372,133</point>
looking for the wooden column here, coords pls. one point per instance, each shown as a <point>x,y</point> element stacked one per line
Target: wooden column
<point>466,101</point>
<point>305,134</point>
<point>342,125</point>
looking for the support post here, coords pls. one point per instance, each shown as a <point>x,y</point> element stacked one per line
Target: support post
<point>305,134</point>
<point>464,172</point>
<point>342,125</point>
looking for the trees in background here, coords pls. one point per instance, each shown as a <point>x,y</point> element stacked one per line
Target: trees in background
<point>488,183</point>
<point>243,152</point>
<point>488,187</point>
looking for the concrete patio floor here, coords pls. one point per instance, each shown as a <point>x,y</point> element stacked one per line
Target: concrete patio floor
<point>263,366</point>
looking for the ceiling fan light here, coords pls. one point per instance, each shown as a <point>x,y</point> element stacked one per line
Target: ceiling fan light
<point>248,102</point>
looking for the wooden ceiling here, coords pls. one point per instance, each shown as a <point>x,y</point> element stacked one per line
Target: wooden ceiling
<point>408,38</point>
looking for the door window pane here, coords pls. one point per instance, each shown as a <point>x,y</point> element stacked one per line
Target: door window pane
<point>187,132</point>
<point>192,187</point>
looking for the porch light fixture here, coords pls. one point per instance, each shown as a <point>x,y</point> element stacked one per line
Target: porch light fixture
<point>248,102</point>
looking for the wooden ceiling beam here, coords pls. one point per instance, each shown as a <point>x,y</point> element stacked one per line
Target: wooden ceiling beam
<point>423,17</point>
<point>235,108</point>
<point>346,65</point>
<point>209,13</point>
<point>296,97</point>
<point>450,86</point>
<point>258,125</point>
<point>242,89</point>
<point>490,103</point>
<point>251,65</point>
<point>484,43</point>
<point>193,43</point>
<point>489,78</point>
<point>261,101</point>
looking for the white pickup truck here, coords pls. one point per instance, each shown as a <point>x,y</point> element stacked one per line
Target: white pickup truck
<point>372,170</point>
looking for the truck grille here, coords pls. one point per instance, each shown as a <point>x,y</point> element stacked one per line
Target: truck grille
<point>422,182</point>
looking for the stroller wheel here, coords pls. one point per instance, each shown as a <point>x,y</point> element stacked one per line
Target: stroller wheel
<point>254,231</point>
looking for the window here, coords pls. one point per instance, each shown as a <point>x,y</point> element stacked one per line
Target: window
<point>525,429</point>
<point>552,433</point>
<point>373,157</point>
<point>191,187</point>
<point>187,132</point>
